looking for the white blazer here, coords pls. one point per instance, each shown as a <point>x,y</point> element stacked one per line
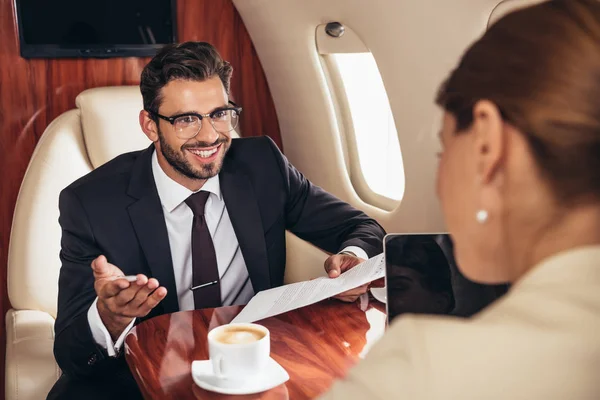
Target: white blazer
<point>540,341</point>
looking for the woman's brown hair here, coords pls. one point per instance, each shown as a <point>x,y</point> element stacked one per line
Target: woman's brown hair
<point>541,66</point>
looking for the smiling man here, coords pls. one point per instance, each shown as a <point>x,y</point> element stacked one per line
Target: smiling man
<point>198,219</point>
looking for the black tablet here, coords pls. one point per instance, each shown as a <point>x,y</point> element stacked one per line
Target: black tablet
<point>418,275</point>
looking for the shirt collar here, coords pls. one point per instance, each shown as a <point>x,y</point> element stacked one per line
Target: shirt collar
<point>171,193</point>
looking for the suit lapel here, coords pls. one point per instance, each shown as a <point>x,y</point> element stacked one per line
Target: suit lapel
<point>149,223</point>
<point>242,207</point>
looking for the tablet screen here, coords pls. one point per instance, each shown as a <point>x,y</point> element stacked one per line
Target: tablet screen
<point>418,276</point>
<point>422,277</point>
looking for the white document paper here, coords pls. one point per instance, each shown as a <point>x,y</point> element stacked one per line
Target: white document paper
<point>269,303</point>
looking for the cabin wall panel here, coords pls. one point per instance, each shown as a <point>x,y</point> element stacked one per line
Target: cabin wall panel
<point>415,44</point>
<point>34,92</point>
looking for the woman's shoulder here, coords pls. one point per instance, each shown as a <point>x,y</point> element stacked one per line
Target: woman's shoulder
<point>525,335</point>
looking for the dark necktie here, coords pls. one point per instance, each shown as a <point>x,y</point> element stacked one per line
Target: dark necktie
<point>205,274</point>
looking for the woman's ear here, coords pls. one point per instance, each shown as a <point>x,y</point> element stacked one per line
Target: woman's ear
<point>148,126</point>
<point>488,127</point>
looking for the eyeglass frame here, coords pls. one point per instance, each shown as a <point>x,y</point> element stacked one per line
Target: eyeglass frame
<point>172,119</point>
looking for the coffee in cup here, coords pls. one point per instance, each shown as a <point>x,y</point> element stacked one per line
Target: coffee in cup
<point>234,334</point>
<point>238,351</point>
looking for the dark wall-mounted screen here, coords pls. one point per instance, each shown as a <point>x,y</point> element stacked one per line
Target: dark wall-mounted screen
<point>95,28</point>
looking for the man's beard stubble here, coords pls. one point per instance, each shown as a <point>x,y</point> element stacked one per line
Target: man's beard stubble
<point>183,166</point>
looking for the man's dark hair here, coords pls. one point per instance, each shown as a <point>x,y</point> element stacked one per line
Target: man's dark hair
<point>424,255</point>
<point>194,61</point>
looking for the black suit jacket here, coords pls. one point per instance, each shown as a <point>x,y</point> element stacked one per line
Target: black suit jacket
<point>115,210</point>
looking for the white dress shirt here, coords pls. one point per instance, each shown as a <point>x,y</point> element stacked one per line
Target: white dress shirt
<point>236,287</point>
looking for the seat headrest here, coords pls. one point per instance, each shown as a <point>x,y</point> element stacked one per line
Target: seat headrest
<point>110,122</point>
<point>109,118</point>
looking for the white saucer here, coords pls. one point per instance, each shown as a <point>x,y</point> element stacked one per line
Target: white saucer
<point>380,293</point>
<point>273,375</point>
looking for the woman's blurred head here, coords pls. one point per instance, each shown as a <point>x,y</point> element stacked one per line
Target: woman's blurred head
<point>519,176</point>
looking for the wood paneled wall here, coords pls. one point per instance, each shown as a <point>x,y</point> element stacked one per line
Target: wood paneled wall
<point>34,92</point>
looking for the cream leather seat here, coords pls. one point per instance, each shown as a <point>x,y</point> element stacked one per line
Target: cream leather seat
<point>104,125</point>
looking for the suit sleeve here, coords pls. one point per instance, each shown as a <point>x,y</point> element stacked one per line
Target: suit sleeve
<point>75,348</point>
<point>321,218</point>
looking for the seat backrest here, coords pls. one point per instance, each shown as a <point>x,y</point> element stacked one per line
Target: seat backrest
<point>104,125</point>
<point>110,123</point>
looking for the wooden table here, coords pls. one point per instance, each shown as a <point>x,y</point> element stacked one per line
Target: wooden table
<point>315,344</point>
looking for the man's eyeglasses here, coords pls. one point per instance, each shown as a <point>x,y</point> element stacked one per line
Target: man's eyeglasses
<point>188,125</point>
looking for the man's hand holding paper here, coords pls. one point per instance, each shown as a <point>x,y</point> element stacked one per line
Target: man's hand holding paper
<point>282,299</point>
<point>337,264</point>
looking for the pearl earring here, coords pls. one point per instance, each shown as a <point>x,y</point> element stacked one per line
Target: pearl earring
<point>481,216</point>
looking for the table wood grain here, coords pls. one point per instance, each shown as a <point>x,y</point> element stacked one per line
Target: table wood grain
<point>315,344</point>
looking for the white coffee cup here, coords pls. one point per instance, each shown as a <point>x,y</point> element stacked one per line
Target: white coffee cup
<point>238,351</point>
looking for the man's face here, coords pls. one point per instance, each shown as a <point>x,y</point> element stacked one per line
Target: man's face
<point>201,157</point>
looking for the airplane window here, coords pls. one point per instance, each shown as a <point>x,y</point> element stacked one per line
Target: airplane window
<point>375,135</point>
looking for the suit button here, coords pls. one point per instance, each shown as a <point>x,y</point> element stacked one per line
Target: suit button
<point>92,360</point>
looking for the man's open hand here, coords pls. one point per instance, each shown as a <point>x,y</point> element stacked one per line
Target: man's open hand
<point>119,301</point>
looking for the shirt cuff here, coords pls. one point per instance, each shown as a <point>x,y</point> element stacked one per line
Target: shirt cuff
<point>360,253</point>
<point>100,333</point>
